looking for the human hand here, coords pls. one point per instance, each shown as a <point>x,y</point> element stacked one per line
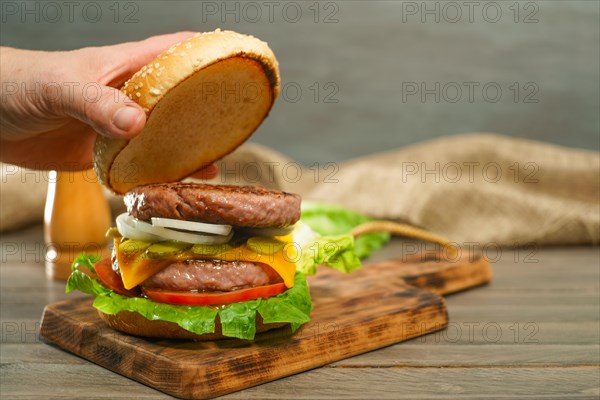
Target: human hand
<point>54,103</point>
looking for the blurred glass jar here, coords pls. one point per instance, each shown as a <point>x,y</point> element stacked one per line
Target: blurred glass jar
<point>76,218</point>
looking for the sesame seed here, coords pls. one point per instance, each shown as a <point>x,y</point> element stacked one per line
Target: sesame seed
<point>154,91</point>
<point>188,45</point>
<point>156,65</point>
<point>138,94</point>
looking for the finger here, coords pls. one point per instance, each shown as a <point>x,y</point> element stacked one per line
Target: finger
<point>206,173</point>
<point>128,58</point>
<point>111,113</point>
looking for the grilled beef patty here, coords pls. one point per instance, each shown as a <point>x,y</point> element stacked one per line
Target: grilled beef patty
<point>213,276</point>
<point>243,206</point>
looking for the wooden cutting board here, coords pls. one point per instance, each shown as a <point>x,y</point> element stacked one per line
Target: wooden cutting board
<point>382,304</point>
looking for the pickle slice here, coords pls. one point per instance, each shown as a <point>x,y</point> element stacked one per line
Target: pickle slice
<point>166,249</point>
<point>132,246</point>
<point>262,245</point>
<point>211,250</point>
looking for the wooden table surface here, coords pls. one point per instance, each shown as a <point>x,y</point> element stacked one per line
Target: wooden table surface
<point>534,332</point>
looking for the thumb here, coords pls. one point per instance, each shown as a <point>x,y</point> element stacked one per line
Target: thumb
<point>107,110</point>
<point>111,113</point>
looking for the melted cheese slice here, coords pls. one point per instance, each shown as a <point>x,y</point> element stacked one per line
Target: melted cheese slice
<point>136,267</point>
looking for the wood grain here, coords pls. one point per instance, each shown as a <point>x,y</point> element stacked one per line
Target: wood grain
<point>425,367</point>
<point>433,383</point>
<point>353,314</point>
<point>407,354</point>
<point>428,271</point>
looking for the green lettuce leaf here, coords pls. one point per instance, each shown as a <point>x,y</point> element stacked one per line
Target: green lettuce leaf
<point>82,282</point>
<point>237,320</point>
<point>312,250</point>
<point>337,252</point>
<point>331,220</point>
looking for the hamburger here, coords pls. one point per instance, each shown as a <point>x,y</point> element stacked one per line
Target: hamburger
<point>194,260</point>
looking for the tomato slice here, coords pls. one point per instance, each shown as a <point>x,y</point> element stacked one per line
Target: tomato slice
<point>111,279</point>
<point>213,298</point>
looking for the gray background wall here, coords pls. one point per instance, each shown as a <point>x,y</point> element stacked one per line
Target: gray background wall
<point>366,56</point>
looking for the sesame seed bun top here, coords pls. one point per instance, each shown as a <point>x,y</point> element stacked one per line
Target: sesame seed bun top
<point>203,97</point>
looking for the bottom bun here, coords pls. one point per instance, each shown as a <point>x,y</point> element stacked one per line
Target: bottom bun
<point>133,323</point>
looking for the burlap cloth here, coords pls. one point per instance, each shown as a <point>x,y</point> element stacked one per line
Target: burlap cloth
<point>476,188</point>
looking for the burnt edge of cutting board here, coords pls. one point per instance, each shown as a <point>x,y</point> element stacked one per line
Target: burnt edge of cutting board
<point>382,304</point>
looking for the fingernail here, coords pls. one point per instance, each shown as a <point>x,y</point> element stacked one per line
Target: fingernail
<point>126,118</point>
